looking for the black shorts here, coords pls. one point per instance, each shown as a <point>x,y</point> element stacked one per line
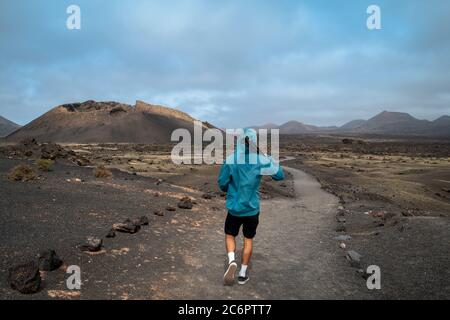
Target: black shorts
<point>249,225</point>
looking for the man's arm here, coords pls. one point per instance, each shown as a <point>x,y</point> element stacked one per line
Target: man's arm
<point>271,168</point>
<point>224,177</point>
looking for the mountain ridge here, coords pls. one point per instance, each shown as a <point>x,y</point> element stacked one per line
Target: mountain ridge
<point>384,123</point>
<point>7,127</point>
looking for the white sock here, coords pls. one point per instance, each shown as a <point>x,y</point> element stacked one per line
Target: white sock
<point>243,270</point>
<point>230,257</point>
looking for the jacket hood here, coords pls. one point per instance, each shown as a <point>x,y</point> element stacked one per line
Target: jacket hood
<point>241,149</point>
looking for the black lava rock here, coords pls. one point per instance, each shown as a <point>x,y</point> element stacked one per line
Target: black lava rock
<point>92,244</point>
<point>48,260</point>
<point>185,203</point>
<point>111,234</point>
<point>25,278</point>
<point>126,227</point>
<point>141,221</point>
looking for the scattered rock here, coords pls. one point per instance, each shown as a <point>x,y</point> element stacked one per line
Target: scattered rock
<point>340,219</point>
<point>92,244</point>
<point>82,162</point>
<point>207,196</point>
<point>341,228</point>
<point>126,227</point>
<point>111,234</point>
<point>25,278</point>
<point>158,213</point>
<point>52,151</point>
<point>48,260</point>
<point>354,258</point>
<point>141,221</point>
<point>342,245</point>
<point>171,208</point>
<point>185,203</point>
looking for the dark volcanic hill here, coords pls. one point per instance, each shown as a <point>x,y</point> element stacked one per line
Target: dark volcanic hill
<point>394,123</point>
<point>103,122</point>
<point>398,123</point>
<point>352,125</point>
<point>7,127</point>
<point>294,127</point>
<point>441,126</point>
<point>267,126</point>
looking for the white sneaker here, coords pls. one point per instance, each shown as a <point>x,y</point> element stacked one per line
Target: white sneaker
<point>228,277</point>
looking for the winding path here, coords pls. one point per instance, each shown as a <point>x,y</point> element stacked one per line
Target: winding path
<point>295,256</point>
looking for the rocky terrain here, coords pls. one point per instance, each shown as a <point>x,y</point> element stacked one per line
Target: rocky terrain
<point>394,204</point>
<point>141,227</point>
<point>411,174</point>
<point>89,221</point>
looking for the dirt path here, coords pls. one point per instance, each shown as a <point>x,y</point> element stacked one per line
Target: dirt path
<point>295,256</point>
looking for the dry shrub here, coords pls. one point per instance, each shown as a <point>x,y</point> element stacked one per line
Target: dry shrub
<point>102,172</point>
<point>44,164</point>
<point>22,172</point>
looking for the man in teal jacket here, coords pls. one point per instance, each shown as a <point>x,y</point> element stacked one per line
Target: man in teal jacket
<point>240,176</point>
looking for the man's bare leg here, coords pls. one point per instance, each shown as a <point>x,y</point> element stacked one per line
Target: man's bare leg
<point>247,251</point>
<point>246,256</point>
<point>228,278</point>
<point>230,243</point>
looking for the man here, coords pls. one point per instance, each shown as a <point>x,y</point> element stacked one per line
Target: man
<point>240,176</point>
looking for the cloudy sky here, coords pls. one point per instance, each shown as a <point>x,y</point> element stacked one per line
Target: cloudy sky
<point>233,63</point>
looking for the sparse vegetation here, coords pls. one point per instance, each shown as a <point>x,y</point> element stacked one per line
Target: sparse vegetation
<point>22,172</point>
<point>102,172</point>
<point>44,164</point>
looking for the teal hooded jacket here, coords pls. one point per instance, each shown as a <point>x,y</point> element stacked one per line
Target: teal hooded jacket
<point>241,173</point>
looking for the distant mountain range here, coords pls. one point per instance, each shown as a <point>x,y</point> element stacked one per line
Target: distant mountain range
<point>7,127</point>
<point>103,122</point>
<point>385,123</point>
